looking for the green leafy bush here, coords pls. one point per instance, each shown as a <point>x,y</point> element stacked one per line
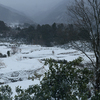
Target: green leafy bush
<point>63,81</point>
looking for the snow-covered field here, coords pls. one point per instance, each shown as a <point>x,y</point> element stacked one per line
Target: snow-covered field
<point>16,69</point>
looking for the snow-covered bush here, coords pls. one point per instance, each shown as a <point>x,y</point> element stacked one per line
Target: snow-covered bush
<point>3,55</point>
<point>63,81</point>
<point>5,93</point>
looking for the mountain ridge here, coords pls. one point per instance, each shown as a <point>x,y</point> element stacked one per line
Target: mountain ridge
<point>10,15</point>
<point>57,14</point>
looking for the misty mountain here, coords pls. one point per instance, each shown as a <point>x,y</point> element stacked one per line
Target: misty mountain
<point>9,15</point>
<point>57,14</point>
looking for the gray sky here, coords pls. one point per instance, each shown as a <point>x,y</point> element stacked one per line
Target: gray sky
<point>30,6</point>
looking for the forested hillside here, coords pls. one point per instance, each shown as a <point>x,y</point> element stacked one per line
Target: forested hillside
<point>47,35</point>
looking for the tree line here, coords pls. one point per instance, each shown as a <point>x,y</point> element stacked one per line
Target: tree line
<point>47,35</point>
<point>52,35</point>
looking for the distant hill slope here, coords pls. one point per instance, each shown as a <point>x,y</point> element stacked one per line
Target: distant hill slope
<point>57,14</point>
<point>10,15</point>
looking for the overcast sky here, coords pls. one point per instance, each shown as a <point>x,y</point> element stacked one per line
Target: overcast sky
<point>30,6</point>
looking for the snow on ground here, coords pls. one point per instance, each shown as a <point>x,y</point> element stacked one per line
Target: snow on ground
<point>23,84</point>
<point>16,69</point>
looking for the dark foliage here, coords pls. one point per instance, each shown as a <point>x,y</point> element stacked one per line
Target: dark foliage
<point>47,35</point>
<point>56,61</point>
<point>3,55</point>
<point>63,81</point>
<point>8,53</point>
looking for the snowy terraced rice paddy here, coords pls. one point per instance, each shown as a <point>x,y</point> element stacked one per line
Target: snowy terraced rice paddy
<point>16,69</point>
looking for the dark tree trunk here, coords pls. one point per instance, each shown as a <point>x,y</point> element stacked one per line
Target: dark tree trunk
<point>98,74</point>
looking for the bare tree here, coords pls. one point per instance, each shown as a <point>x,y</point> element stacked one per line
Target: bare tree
<point>14,49</point>
<point>86,14</point>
